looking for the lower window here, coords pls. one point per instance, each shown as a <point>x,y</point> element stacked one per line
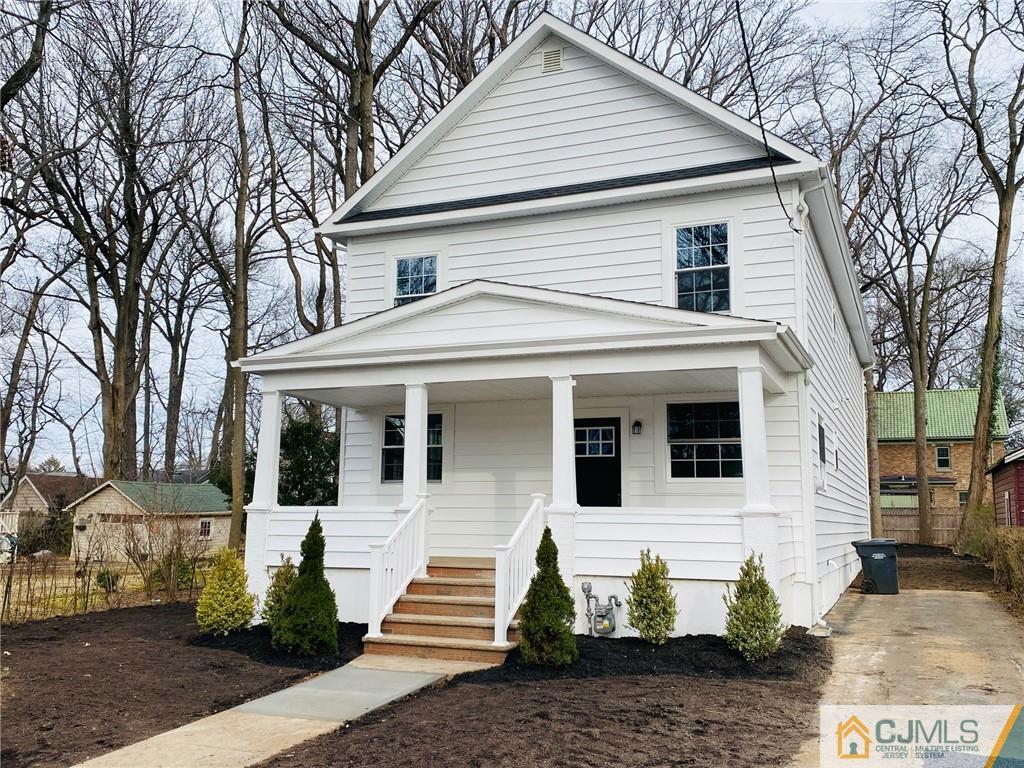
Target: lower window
<point>392,461</point>
<point>205,528</point>
<point>704,440</point>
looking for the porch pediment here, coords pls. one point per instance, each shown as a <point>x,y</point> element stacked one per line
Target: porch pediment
<point>490,316</point>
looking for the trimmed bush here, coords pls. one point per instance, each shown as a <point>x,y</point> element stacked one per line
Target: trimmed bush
<point>651,603</point>
<point>281,582</point>
<point>548,613</point>
<point>1008,561</point>
<point>753,626</point>
<point>307,621</point>
<point>225,605</point>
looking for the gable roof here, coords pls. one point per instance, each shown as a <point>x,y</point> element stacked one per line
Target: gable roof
<point>950,412</point>
<point>52,487</point>
<point>167,498</point>
<point>508,319</point>
<point>360,207</point>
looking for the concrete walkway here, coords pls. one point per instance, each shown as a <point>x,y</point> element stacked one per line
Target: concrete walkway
<point>922,647</point>
<point>266,726</point>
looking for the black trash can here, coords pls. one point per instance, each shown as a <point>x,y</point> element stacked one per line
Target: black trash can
<point>878,561</point>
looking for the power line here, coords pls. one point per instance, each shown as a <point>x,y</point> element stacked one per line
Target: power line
<point>760,120</point>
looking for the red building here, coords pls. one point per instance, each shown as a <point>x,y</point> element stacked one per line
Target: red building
<point>1008,488</point>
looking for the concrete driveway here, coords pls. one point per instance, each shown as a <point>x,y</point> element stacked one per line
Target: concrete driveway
<point>925,647</point>
<point>921,647</point>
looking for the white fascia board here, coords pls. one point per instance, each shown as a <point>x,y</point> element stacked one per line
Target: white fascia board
<point>673,318</point>
<point>93,492</point>
<point>827,220</point>
<point>340,232</point>
<point>754,333</point>
<point>437,126</point>
<point>507,60</point>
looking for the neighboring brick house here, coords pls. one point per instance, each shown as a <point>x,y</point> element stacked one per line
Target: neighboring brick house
<point>28,502</point>
<point>951,415</point>
<point>1008,485</point>
<point>117,512</point>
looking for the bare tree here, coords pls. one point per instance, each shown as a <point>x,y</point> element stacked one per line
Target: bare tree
<point>979,84</point>
<point>39,26</point>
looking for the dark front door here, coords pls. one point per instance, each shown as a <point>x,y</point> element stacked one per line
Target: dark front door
<point>598,463</point>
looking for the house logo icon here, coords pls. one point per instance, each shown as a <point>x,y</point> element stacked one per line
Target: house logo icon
<point>853,740</point>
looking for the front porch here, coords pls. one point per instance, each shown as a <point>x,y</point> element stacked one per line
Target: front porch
<point>464,452</point>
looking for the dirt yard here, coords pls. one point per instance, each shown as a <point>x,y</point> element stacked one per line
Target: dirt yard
<point>76,687</point>
<point>923,567</point>
<point>690,703</point>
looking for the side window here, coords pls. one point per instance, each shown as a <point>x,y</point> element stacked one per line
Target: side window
<point>392,449</point>
<point>961,497</point>
<point>704,440</point>
<point>415,277</point>
<point>943,460</point>
<point>205,528</point>
<point>702,268</point>
<point>822,454</point>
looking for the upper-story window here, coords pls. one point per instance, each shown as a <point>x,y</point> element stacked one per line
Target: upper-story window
<point>943,458</point>
<point>415,277</point>
<point>702,268</point>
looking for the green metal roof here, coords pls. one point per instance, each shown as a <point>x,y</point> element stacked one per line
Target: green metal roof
<point>951,414</point>
<point>175,497</point>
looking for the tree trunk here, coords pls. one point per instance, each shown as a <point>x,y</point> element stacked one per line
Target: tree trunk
<point>924,503</point>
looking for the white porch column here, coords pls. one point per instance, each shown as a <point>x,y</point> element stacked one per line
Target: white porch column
<point>414,470</point>
<point>264,492</point>
<point>563,509</point>
<point>760,518</point>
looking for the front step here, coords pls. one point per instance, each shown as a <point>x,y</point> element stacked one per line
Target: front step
<point>451,586</point>
<point>444,605</point>
<point>465,627</point>
<point>455,649</point>
<point>448,614</point>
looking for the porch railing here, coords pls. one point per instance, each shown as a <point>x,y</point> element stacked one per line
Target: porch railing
<point>514,565</point>
<point>396,562</point>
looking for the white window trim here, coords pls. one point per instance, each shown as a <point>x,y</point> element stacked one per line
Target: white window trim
<point>821,472</point>
<point>394,487</point>
<point>391,269</point>
<point>205,520</point>
<point>664,483</point>
<point>714,215</point>
<point>949,448</point>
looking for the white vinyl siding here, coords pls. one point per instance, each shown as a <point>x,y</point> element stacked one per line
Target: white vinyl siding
<point>836,396</point>
<point>624,252</point>
<point>584,123</point>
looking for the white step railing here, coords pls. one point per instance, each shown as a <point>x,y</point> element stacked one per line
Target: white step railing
<point>398,561</point>
<point>514,565</point>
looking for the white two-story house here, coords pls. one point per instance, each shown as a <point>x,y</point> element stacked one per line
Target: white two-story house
<point>576,299</point>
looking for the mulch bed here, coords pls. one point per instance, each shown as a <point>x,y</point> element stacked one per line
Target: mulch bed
<point>76,687</point>
<point>692,702</point>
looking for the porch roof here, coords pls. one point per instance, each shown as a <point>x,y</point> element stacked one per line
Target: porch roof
<point>483,320</point>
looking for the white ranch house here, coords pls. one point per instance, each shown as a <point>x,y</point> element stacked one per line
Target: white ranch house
<point>575,299</point>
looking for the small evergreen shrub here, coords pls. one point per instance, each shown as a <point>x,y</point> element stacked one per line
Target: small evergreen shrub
<point>281,582</point>
<point>176,573</point>
<point>225,605</point>
<point>651,602</point>
<point>108,581</point>
<point>547,616</point>
<point>753,625</point>
<point>307,621</point>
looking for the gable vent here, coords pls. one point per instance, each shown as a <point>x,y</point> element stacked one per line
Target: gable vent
<point>551,61</point>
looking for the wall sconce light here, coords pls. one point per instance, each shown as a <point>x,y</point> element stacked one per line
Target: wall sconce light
<point>638,427</point>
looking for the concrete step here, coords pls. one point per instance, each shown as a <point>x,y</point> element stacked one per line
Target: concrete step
<point>454,586</point>
<point>466,627</point>
<point>461,567</point>
<point>445,605</point>
<point>437,648</point>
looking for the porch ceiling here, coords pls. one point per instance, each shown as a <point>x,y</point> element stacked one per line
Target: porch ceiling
<point>534,388</point>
